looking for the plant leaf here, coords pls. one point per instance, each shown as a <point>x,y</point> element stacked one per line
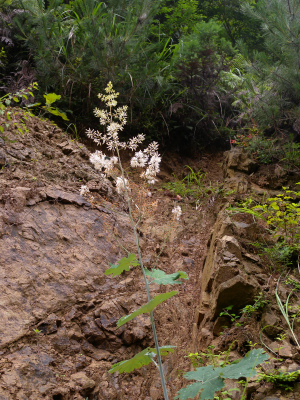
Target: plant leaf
<point>191,391</point>
<point>208,379</point>
<point>211,379</point>
<point>123,265</point>
<point>161,278</point>
<point>51,98</point>
<point>246,366</point>
<point>55,111</point>
<point>146,307</point>
<point>143,358</point>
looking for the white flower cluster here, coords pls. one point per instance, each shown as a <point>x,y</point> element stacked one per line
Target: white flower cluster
<point>150,158</point>
<point>140,159</point>
<point>121,185</point>
<point>102,162</point>
<point>114,120</point>
<point>177,212</point>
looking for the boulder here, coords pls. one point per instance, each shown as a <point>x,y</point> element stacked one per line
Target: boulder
<point>237,159</point>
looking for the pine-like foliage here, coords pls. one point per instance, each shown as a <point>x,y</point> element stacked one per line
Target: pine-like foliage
<point>275,72</point>
<point>199,62</point>
<point>80,46</point>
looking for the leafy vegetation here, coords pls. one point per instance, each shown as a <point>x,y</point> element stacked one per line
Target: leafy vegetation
<point>280,379</point>
<point>282,214</point>
<point>210,379</point>
<point>6,110</point>
<point>259,305</point>
<point>284,308</point>
<point>192,185</point>
<point>209,356</point>
<point>246,312</point>
<point>161,278</point>
<point>191,71</point>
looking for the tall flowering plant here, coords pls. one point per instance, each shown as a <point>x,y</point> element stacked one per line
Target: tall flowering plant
<point>113,119</point>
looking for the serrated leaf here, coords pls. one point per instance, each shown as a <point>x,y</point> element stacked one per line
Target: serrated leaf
<point>140,359</point>
<point>245,367</point>
<point>208,379</point>
<point>51,98</point>
<point>161,278</point>
<point>146,308</point>
<point>190,391</point>
<point>211,379</point>
<point>123,265</point>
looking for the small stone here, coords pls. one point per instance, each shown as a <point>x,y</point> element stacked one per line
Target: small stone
<point>272,325</point>
<point>83,380</point>
<point>232,246</point>
<point>252,387</point>
<point>45,388</point>
<point>67,149</point>
<point>286,350</point>
<point>75,332</point>
<point>188,262</point>
<point>271,398</point>
<point>293,367</point>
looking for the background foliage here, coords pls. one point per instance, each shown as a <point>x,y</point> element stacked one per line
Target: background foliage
<point>191,71</point>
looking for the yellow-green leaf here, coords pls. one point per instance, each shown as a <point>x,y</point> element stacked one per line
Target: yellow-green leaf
<point>146,308</point>
<point>161,278</point>
<point>123,265</point>
<point>139,360</point>
<point>51,98</point>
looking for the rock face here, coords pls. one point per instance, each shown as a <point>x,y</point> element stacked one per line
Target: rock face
<point>236,166</point>
<point>225,280</point>
<point>237,160</point>
<point>231,276</point>
<point>42,268</point>
<point>58,310</point>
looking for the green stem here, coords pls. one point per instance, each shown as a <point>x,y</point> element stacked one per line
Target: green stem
<point>136,237</point>
<point>285,312</point>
